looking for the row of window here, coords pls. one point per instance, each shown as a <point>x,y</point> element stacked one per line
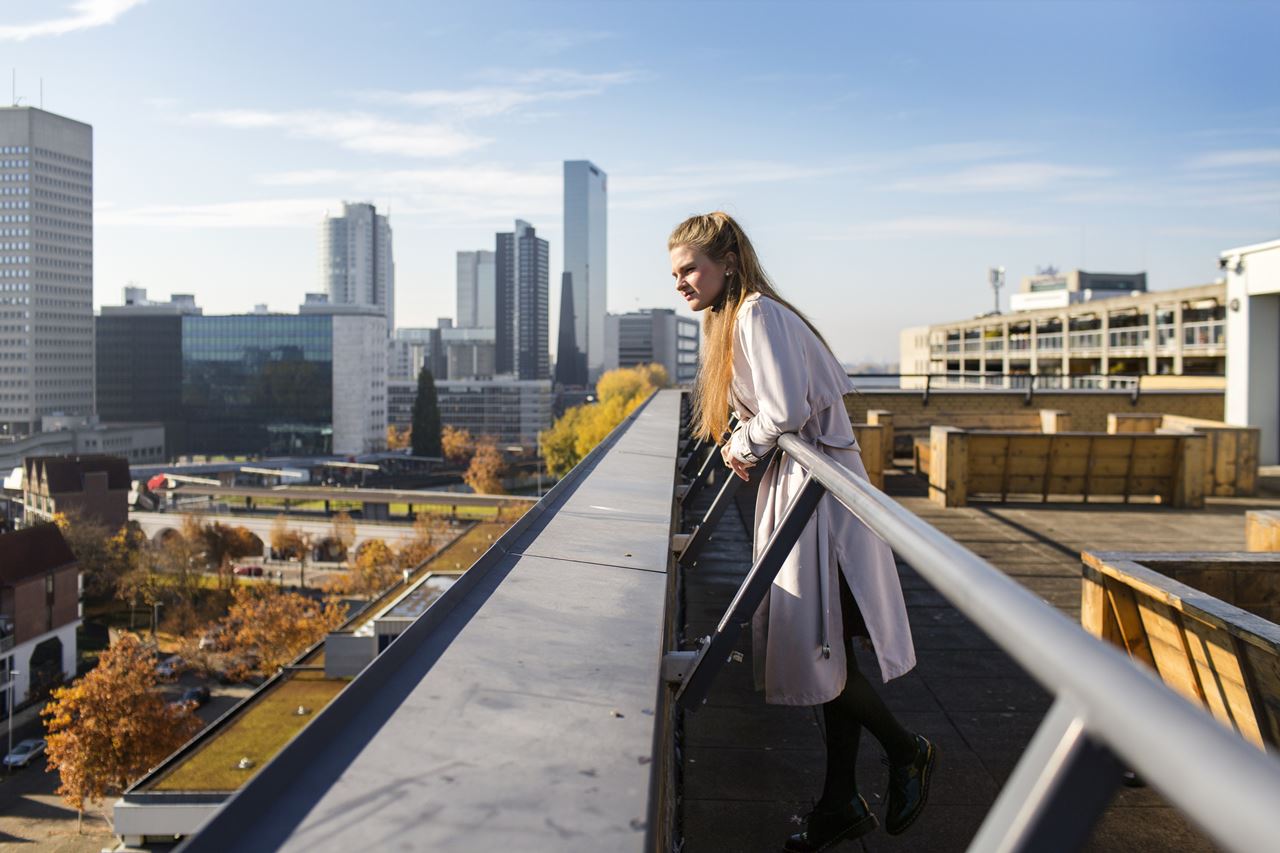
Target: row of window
<point>15,164</point>
<point>16,205</point>
<point>15,217</point>
<point>54,155</point>
<point>15,149</point>
<point>15,259</point>
<point>15,177</point>
<point>15,232</point>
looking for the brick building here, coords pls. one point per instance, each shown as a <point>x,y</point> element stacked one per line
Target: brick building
<point>93,486</point>
<point>39,609</point>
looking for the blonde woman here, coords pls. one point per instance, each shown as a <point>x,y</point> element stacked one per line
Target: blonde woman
<point>765,361</point>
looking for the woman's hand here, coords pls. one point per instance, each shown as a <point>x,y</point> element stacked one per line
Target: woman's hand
<point>741,468</point>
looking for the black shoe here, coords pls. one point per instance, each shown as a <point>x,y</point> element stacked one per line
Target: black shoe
<point>823,827</point>
<point>909,787</point>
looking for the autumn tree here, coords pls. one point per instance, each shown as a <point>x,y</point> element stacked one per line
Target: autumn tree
<point>398,438</point>
<point>106,729</point>
<point>344,532</point>
<point>373,570</point>
<point>277,625</point>
<point>421,547</point>
<point>619,393</point>
<point>285,542</point>
<point>425,433</point>
<point>456,444</point>
<point>484,474</point>
<point>223,544</point>
<point>104,555</point>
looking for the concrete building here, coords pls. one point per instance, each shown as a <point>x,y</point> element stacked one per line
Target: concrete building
<point>586,258</point>
<point>46,268</point>
<point>1253,342</point>
<point>654,335</point>
<point>356,265</point>
<point>39,611</point>
<point>1053,289</point>
<point>311,383</point>
<point>139,443</point>
<point>513,411</point>
<point>93,486</point>
<point>1104,341</point>
<point>477,288</point>
<point>469,353</point>
<point>522,308</point>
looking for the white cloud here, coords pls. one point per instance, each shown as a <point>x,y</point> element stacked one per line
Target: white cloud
<point>1237,158</point>
<point>519,89</point>
<point>357,131</point>
<point>940,226</point>
<point>263,213</point>
<point>1001,177</point>
<point>82,15</point>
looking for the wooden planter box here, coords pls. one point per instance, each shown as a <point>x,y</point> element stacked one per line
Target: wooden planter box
<point>1204,621</point>
<point>1231,452</point>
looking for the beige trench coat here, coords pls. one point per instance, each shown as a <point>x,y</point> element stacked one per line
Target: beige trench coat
<point>786,380</point>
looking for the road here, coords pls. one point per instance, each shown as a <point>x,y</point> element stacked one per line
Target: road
<point>33,816</point>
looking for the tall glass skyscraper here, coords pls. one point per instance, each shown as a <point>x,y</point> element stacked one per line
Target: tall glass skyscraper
<point>585,257</point>
<point>356,266</point>
<point>46,268</point>
<point>522,305</point>
<point>476,287</point>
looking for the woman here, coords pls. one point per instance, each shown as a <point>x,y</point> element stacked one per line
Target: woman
<point>768,363</point>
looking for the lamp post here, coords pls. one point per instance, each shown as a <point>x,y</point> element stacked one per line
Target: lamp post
<point>9,687</point>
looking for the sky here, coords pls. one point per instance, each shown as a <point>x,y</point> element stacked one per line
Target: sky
<point>881,156</point>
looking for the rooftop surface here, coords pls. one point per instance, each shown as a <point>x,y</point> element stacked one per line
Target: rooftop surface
<point>751,769</point>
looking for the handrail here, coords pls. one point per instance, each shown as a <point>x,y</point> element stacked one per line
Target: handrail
<point>1225,785</point>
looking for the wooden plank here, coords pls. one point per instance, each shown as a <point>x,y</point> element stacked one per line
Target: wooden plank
<point>1169,648</point>
<point>1221,677</point>
<point>1133,635</point>
<point>1128,471</point>
<point>1096,615</point>
<point>1262,673</point>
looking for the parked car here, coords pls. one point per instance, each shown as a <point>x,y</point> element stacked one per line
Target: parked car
<point>213,640</point>
<point>248,570</point>
<point>24,752</point>
<point>170,667</point>
<point>197,695</point>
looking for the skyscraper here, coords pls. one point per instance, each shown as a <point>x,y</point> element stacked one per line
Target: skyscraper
<point>476,286</point>
<point>46,268</point>
<point>521,304</point>
<point>571,361</point>
<point>356,266</point>
<point>585,257</point>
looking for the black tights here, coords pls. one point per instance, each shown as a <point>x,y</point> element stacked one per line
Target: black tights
<point>857,705</point>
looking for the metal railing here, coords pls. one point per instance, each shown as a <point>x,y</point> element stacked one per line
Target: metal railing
<point>1107,711</point>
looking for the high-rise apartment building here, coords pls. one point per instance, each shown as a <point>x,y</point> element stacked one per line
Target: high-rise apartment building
<point>356,266</point>
<point>654,335</point>
<point>522,307</point>
<point>585,257</point>
<point>46,268</point>
<point>476,290</point>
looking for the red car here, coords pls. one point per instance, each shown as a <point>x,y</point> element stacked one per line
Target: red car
<point>248,570</point>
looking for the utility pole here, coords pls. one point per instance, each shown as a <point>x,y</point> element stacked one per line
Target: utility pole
<point>996,276</point>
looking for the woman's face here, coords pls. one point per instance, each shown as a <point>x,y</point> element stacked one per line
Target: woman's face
<point>699,279</point>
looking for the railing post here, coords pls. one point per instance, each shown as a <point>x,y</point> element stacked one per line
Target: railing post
<point>717,650</point>
<point>1057,792</point>
<point>703,529</point>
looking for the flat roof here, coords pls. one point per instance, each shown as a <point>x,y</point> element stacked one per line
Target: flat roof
<point>343,493</point>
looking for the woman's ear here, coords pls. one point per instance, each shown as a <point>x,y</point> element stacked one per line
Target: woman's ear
<point>730,263</point>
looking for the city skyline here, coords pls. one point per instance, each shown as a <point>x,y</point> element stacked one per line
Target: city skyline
<point>858,159</point>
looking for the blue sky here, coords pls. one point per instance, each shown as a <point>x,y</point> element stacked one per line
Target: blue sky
<point>882,156</point>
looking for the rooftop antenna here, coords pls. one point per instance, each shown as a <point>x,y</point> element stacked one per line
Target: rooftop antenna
<point>996,277</point>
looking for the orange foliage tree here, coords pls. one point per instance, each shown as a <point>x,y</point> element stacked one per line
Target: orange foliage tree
<point>619,393</point>
<point>373,570</point>
<point>106,729</point>
<point>397,438</point>
<point>278,626</point>
<point>456,444</point>
<point>484,474</point>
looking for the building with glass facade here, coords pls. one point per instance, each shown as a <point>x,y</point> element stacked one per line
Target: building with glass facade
<point>586,259</point>
<point>653,335</point>
<point>312,383</point>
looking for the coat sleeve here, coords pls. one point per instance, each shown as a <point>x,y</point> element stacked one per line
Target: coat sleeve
<point>776,356</point>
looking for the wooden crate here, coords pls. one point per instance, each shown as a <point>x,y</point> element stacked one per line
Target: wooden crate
<point>1262,530</point>
<point>1205,622</point>
<point>871,442</point>
<point>961,464</point>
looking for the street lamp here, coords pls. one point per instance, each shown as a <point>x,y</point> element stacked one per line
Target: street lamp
<point>9,687</point>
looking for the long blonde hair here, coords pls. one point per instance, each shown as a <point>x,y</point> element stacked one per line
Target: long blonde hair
<point>717,235</point>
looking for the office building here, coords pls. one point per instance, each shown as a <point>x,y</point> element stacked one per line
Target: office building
<point>476,290</point>
<point>586,258</point>
<point>39,611</point>
<point>70,435</point>
<point>413,348</point>
<point>469,353</point>
<point>1052,289</point>
<point>521,335</point>
<point>1094,337</point>
<point>311,383</point>
<point>513,411</point>
<point>46,268</point>
<point>571,361</point>
<point>356,264</point>
<point>657,335</point>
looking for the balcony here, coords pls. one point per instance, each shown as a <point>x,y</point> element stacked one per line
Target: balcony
<point>531,707</point>
<point>1204,337</point>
